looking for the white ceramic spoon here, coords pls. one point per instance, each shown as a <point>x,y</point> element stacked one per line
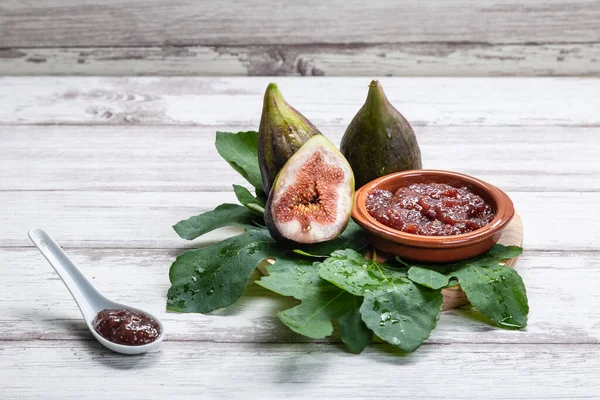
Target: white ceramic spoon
<point>88,298</point>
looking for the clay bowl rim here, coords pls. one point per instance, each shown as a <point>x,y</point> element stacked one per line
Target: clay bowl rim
<point>504,211</point>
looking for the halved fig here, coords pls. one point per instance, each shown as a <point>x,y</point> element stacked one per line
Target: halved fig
<point>312,196</point>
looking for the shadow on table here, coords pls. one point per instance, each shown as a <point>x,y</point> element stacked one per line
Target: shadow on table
<point>309,362</point>
<point>98,353</point>
<point>482,324</point>
<point>82,343</point>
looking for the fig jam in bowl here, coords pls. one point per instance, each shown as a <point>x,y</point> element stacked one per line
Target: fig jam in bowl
<point>431,215</point>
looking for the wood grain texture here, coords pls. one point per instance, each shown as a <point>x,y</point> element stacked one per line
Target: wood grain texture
<point>160,158</point>
<point>369,60</point>
<point>210,22</point>
<point>302,371</point>
<point>36,306</point>
<point>143,219</point>
<point>306,38</point>
<point>108,165</point>
<point>335,101</point>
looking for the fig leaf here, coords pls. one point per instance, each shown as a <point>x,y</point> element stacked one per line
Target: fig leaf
<point>213,277</point>
<point>394,308</point>
<point>223,215</point>
<point>352,238</point>
<point>321,303</point>
<point>247,200</point>
<point>495,290</point>
<point>240,151</point>
<point>353,331</point>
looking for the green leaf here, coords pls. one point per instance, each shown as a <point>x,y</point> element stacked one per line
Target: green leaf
<point>292,277</point>
<point>355,274</point>
<point>261,196</point>
<point>240,151</point>
<point>353,331</point>
<point>313,316</point>
<point>321,302</point>
<point>353,238</point>
<point>247,200</point>
<point>428,277</point>
<point>495,290</point>
<point>500,252</point>
<point>214,277</point>
<point>498,292</point>
<point>394,308</point>
<point>403,314</point>
<point>223,215</point>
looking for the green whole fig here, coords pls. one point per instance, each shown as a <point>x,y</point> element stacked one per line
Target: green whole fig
<point>282,131</point>
<point>379,140</point>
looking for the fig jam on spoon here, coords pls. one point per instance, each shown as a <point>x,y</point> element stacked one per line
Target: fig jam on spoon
<point>120,328</point>
<point>126,327</point>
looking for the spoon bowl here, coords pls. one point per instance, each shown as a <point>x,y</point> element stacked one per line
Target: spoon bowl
<point>87,297</point>
<point>122,348</point>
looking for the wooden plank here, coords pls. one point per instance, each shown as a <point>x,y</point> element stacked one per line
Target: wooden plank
<point>107,219</point>
<point>37,306</point>
<point>138,158</point>
<point>403,59</point>
<point>249,371</point>
<point>552,220</point>
<point>144,219</point>
<point>187,22</point>
<point>327,101</point>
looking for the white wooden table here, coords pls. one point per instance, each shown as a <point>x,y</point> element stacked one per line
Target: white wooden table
<point>107,165</point>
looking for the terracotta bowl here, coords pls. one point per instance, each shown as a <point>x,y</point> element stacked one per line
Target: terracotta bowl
<point>433,248</point>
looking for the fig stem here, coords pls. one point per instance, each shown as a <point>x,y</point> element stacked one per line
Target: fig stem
<point>376,99</point>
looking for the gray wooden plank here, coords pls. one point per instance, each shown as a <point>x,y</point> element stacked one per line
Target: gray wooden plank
<point>208,370</point>
<point>326,101</point>
<point>167,158</point>
<point>403,59</point>
<point>46,351</point>
<point>552,220</point>
<point>46,311</point>
<point>184,22</point>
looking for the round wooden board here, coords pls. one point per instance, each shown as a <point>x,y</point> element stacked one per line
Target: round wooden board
<point>454,297</point>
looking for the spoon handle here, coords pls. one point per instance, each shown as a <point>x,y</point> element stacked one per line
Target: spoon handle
<point>88,298</point>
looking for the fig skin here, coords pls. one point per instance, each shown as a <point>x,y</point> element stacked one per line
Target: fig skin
<point>287,178</point>
<point>379,140</point>
<point>282,131</point>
